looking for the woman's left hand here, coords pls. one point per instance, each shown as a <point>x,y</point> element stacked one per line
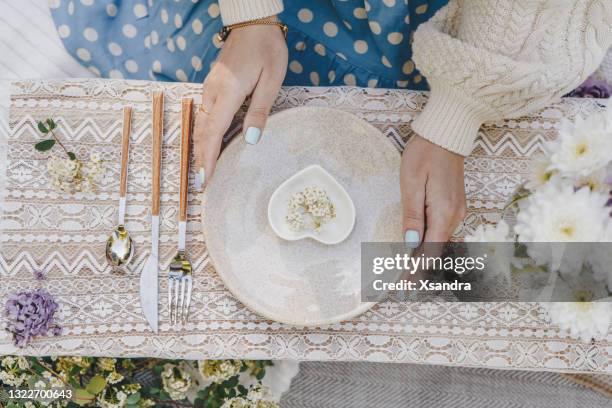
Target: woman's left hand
<point>433,192</point>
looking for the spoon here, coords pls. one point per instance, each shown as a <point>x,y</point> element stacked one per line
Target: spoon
<point>119,246</point>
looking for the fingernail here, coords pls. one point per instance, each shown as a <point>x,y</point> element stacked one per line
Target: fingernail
<point>252,135</point>
<point>200,179</point>
<point>412,239</point>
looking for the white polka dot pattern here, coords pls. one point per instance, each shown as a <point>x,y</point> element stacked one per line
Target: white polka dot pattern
<point>360,43</point>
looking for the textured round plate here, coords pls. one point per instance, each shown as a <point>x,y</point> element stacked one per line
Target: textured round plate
<point>302,282</point>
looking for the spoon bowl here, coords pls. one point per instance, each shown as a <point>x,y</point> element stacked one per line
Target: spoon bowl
<point>119,247</point>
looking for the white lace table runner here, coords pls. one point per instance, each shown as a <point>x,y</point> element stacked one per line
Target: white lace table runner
<point>100,313</point>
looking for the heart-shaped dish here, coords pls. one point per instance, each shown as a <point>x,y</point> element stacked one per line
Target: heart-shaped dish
<point>332,232</point>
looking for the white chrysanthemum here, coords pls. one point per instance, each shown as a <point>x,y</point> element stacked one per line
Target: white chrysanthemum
<point>499,255</point>
<point>596,181</point>
<point>583,320</point>
<point>539,173</point>
<point>585,146</point>
<point>557,213</point>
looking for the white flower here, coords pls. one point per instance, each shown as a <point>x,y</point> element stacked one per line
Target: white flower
<point>8,361</point>
<point>95,157</point>
<point>539,172</point>
<point>114,378</point>
<point>70,176</point>
<point>595,181</point>
<point>497,247</point>
<point>176,381</point>
<point>255,398</point>
<point>64,173</point>
<point>584,146</point>
<point>313,203</point>
<point>22,363</point>
<point>583,320</point>
<point>556,213</point>
<point>12,379</point>
<point>236,402</point>
<point>257,392</point>
<point>219,370</point>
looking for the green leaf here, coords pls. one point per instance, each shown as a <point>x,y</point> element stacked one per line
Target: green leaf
<point>42,127</point>
<point>82,397</point>
<point>44,145</point>
<point>96,385</point>
<point>72,156</point>
<point>133,398</point>
<point>51,124</point>
<point>154,390</point>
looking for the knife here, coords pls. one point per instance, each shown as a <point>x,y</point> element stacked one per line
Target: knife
<point>149,287</point>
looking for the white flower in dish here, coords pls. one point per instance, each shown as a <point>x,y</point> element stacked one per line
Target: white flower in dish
<point>584,146</point>
<point>310,208</point>
<point>583,320</point>
<point>500,254</point>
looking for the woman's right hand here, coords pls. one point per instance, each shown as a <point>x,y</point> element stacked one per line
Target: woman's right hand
<point>253,62</point>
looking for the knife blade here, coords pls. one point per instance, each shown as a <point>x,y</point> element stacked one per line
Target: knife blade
<point>149,277</point>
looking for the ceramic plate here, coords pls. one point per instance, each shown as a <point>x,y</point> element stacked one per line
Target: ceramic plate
<point>302,282</point>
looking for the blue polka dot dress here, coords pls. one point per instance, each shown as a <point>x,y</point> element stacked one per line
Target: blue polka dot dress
<point>331,42</point>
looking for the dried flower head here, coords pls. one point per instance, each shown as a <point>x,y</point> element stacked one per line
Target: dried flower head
<point>310,208</point>
<point>31,314</point>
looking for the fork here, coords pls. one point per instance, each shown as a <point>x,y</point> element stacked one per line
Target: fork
<point>180,279</point>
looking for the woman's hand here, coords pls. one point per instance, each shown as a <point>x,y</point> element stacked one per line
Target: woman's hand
<point>253,62</point>
<point>433,192</point>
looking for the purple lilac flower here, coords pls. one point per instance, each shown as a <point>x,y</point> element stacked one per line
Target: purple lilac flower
<point>30,314</point>
<point>592,88</point>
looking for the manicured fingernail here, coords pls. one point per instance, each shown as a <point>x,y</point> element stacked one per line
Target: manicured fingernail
<point>200,179</point>
<point>252,135</point>
<point>412,239</point>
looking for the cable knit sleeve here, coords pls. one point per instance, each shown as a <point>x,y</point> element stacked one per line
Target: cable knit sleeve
<point>238,11</point>
<point>486,60</point>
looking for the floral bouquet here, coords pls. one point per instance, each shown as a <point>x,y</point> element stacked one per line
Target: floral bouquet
<point>116,383</point>
<point>566,198</point>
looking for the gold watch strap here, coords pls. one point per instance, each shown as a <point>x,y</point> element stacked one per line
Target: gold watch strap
<point>226,30</point>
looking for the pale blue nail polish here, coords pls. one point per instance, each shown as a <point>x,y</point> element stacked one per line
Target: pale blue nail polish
<point>200,179</point>
<point>252,135</point>
<point>412,239</point>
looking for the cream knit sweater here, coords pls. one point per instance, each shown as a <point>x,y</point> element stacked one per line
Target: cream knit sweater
<point>487,60</point>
